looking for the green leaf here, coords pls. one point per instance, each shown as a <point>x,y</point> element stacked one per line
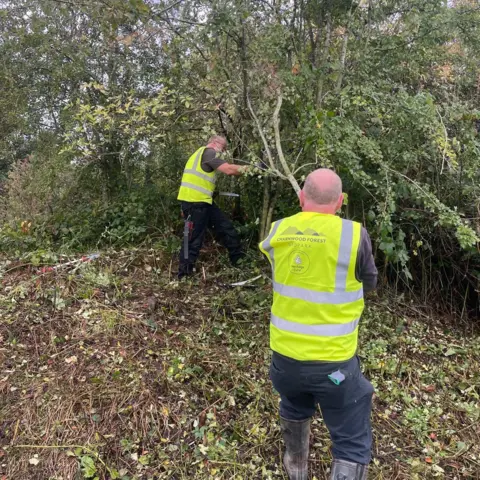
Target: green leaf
<point>88,466</point>
<point>461,446</point>
<point>114,474</point>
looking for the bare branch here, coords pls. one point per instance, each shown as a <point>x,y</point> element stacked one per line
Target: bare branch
<point>181,20</point>
<point>304,166</point>
<point>276,127</point>
<point>169,7</point>
<point>298,158</point>
<point>73,4</point>
<point>264,140</point>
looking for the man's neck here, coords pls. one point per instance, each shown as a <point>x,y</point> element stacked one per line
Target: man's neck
<point>325,209</point>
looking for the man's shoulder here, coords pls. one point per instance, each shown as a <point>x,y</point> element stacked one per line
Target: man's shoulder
<point>358,225</point>
<point>348,220</point>
<point>208,154</point>
<point>286,219</point>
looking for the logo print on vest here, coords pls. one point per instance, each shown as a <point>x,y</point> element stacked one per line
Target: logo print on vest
<point>307,232</point>
<point>308,237</point>
<point>299,262</point>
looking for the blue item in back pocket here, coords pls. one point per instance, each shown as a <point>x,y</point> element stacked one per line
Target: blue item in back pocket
<point>337,377</point>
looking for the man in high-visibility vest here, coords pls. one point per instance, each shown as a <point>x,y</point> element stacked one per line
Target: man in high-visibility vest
<point>196,196</point>
<point>321,267</point>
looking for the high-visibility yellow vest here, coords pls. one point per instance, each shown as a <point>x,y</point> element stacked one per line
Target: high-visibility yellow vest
<point>317,301</point>
<point>197,184</point>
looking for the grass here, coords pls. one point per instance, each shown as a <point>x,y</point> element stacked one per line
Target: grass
<point>114,370</point>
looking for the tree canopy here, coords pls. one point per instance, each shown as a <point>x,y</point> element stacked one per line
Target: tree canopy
<point>102,101</point>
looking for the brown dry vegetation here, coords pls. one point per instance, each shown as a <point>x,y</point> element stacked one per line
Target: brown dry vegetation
<point>113,370</point>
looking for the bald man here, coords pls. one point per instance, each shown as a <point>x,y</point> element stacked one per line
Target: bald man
<point>321,267</point>
<point>196,197</point>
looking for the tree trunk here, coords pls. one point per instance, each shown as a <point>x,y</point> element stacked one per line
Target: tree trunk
<point>343,55</point>
<point>273,202</point>
<point>268,206</point>
<point>313,46</point>
<point>326,47</point>
<point>243,59</point>
<point>263,231</point>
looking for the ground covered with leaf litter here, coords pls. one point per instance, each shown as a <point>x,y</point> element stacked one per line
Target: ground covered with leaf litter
<point>112,370</point>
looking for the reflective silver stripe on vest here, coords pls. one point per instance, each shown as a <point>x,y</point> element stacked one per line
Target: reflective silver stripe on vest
<point>191,171</point>
<point>197,158</point>
<point>333,298</point>
<point>325,330</point>
<point>197,188</point>
<point>344,255</point>
<point>267,246</point>
<point>194,169</point>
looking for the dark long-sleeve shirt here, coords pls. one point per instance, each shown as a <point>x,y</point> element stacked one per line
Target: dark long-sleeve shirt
<point>210,162</point>
<point>365,269</point>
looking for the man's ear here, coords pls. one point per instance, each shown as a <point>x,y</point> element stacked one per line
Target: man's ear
<point>301,197</point>
<point>340,202</point>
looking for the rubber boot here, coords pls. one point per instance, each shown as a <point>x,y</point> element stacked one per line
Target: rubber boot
<point>296,435</point>
<point>344,470</point>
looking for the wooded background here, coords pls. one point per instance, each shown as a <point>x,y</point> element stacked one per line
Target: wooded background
<point>102,102</point>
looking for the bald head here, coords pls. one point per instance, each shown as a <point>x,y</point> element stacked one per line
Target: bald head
<point>323,187</point>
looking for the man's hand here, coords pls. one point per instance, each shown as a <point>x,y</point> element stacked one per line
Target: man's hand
<point>230,169</point>
<point>244,169</point>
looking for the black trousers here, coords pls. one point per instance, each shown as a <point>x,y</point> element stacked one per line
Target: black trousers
<point>346,408</point>
<point>203,216</point>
